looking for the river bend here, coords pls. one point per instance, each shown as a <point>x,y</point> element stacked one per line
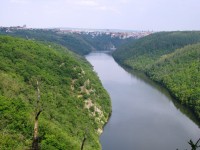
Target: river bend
<point>144,116</point>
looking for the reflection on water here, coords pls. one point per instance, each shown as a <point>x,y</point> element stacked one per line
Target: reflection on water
<point>144,117</point>
<point>185,110</point>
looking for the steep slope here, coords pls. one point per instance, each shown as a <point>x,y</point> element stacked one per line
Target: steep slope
<point>142,53</point>
<point>170,58</point>
<point>73,101</point>
<point>180,73</point>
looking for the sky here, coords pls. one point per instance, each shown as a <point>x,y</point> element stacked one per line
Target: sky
<point>156,15</point>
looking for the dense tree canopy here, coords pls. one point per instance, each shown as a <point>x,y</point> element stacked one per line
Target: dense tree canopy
<point>72,42</point>
<point>144,52</point>
<point>72,97</point>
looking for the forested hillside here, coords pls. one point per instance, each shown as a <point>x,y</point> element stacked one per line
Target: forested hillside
<point>73,103</point>
<point>72,42</point>
<point>79,43</point>
<point>180,73</point>
<point>142,53</point>
<point>170,58</point>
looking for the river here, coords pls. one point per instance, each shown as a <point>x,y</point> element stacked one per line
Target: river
<point>144,116</point>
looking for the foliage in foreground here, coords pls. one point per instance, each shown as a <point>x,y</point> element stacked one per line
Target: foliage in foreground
<point>69,89</point>
<point>194,146</point>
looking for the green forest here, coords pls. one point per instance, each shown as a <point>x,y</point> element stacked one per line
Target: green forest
<point>73,104</point>
<point>41,72</point>
<point>171,59</point>
<point>81,44</point>
<point>71,41</point>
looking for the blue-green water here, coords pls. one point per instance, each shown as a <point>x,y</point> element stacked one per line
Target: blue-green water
<point>144,116</point>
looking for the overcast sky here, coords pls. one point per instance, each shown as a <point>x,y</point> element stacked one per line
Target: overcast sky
<point>103,14</point>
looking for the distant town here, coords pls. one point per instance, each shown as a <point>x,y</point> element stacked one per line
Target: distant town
<point>122,34</point>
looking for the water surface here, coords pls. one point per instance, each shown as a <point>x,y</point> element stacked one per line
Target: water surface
<point>144,116</point>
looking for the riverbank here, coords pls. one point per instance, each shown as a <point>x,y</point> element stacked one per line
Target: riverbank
<point>144,76</point>
<point>172,60</point>
<point>176,99</point>
<point>141,111</point>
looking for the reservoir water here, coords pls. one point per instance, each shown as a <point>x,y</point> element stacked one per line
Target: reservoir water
<point>144,116</point>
